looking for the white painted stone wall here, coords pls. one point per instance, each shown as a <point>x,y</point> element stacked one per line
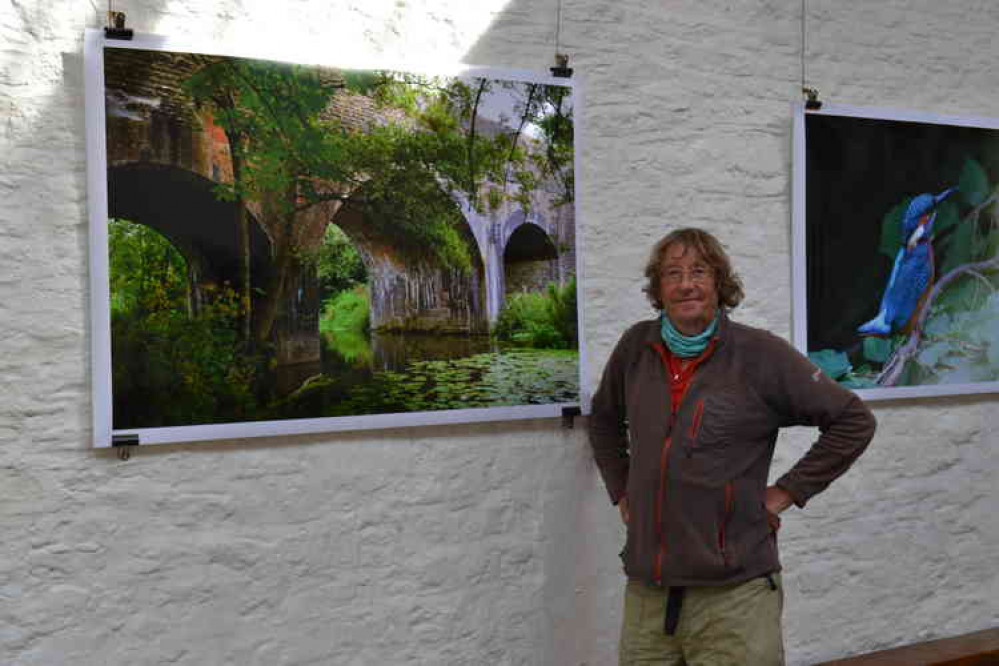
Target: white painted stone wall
<point>477,544</point>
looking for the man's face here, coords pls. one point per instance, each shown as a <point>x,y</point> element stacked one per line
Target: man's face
<point>688,290</point>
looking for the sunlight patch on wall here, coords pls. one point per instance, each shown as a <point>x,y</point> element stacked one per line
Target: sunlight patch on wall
<point>351,33</point>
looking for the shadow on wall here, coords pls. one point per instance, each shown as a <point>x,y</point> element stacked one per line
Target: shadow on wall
<point>522,36</point>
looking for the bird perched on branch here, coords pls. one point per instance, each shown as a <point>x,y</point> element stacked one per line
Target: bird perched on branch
<point>913,272</point>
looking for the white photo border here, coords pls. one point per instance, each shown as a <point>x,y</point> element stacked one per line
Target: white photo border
<point>103,432</point>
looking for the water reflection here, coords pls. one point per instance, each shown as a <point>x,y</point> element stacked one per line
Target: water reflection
<point>394,351</point>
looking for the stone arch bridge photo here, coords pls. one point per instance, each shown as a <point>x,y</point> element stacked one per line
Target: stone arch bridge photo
<point>454,208</point>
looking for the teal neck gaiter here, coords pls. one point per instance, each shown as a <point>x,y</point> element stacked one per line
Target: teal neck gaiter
<point>686,346</point>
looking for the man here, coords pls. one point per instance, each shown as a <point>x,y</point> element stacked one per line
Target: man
<point>683,428</point>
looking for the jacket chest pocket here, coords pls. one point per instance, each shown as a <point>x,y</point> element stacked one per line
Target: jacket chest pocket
<point>720,419</point>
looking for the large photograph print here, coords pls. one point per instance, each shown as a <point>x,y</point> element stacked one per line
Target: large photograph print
<point>896,236</point>
<point>296,248</point>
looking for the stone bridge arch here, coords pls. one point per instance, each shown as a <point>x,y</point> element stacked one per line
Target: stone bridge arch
<point>181,205</point>
<point>529,255</point>
<point>542,235</point>
<point>409,290</point>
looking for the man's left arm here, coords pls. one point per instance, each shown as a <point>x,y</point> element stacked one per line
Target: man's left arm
<point>846,426</point>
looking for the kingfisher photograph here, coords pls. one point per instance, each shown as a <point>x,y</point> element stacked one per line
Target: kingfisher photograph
<point>322,248</point>
<point>896,233</point>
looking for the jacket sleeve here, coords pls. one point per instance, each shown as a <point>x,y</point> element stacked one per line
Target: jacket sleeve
<point>608,424</point>
<point>807,396</point>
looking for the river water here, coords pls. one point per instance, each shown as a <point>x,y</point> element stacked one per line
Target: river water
<point>391,373</point>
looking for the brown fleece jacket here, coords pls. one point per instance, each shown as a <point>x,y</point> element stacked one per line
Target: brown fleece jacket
<point>695,480</point>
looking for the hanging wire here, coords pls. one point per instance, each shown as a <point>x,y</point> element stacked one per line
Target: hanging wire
<point>558,27</point>
<point>561,67</point>
<point>811,94</point>
<point>802,44</point>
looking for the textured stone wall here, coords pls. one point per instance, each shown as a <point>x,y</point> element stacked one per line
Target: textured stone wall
<point>478,544</point>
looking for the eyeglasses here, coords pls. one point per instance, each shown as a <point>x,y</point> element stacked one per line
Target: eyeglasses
<point>697,275</point>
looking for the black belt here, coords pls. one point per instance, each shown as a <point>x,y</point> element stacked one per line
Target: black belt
<point>674,602</point>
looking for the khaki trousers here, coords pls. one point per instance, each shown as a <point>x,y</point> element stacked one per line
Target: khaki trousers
<point>731,625</point>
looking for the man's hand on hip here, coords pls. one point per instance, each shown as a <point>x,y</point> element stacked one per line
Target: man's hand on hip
<point>622,506</point>
<point>776,500</point>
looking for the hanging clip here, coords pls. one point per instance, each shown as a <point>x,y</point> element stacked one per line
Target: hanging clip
<point>124,444</point>
<point>561,68</point>
<point>812,102</point>
<point>569,415</point>
<point>116,27</point>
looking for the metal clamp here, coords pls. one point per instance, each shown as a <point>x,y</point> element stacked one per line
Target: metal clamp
<point>812,102</point>
<point>124,444</point>
<point>116,27</point>
<point>561,68</point>
<point>569,415</point>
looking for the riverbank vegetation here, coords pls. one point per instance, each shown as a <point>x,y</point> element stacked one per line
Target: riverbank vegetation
<point>543,319</point>
<point>175,351</point>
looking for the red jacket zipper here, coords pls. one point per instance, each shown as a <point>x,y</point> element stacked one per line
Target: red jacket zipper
<point>663,472</point>
<point>695,427</point>
<point>668,444</point>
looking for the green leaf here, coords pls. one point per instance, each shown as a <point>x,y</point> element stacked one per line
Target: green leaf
<point>957,297</point>
<point>877,349</point>
<point>960,248</point>
<point>833,363</point>
<point>973,183</point>
<point>854,382</point>
<point>938,323</point>
<point>947,217</point>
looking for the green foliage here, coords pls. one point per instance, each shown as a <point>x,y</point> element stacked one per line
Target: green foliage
<point>407,201</point>
<point>958,248</point>
<point>963,294</point>
<point>541,319</point>
<point>991,243</point>
<point>346,322</point>
<point>857,381</point>
<point>948,216</point>
<point>276,110</point>
<point>557,128</point>
<point>339,267</point>
<point>834,363</point>
<point>877,349</point>
<point>147,274</point>
<point>563,312</point>
<point>469,153</point>
<point>171,366</point>
<point>362,82</point>
<point>171,369</point>
<point>973,183</point>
